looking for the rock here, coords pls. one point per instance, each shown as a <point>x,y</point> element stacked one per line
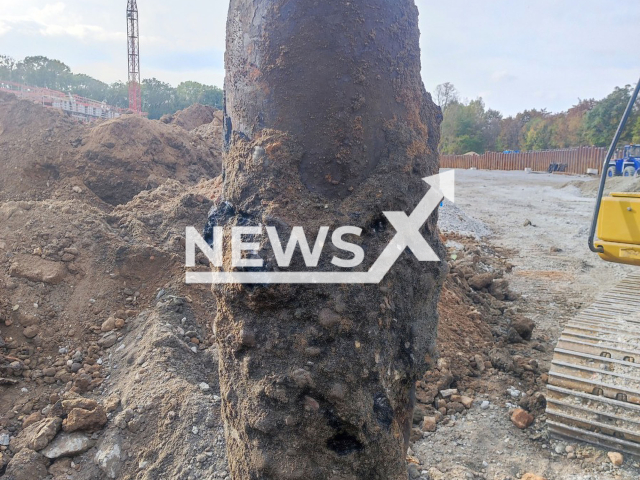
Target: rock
<point>466,401</point>
<point>527,223</point>
<point>78,402</point>
<point>67,445</point>
<point>531,476</point>
<point>501,360</point>
<point>87,420</point>
<point>513,336</point>
<point>524,326</point>
<point>4,439</point>
<point>112,403</point>
<point>37,269</point>
<point>416,434</point>
<point>485,405</point>
<point>311,404</point>
<point>514,393</point>
<point>108,325</point>
<point>31,332</point>
<point>338,392</point>
<point>61,469</point>
<point>27,465</point>
<point>26,319</point>
<point>302,378</point>
<point>499,289</point>
<point>479,363</point>
<point>247,338</point>
<point>30,420</point>
<point>108,340</point>
<point>135,425</point>
<point>82,383</point>
<point>120,323</point>
<point>37,435</point>
<point>108,456</point>
<point>480,281</point>
<point>418,414</point>
<point>616,458</point>
<point>328,318</point>
<point>521,418</point>
<point>204,387</point>
<point>429,424</point>
<point>76,189</point>
<point>449,392</point>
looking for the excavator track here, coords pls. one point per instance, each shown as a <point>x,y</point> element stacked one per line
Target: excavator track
<point>594,382</point>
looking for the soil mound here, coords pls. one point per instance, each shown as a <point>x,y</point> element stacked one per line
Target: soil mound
<point>131,154</point>
<point>590,188</point>
<point>45,154</point>
<point>192,117</point>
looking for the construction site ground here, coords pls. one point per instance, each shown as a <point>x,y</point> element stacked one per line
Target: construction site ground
<point>109,364</point>
<point>541,222</point>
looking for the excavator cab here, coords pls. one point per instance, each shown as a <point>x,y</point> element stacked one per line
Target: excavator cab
<point>619,228</point>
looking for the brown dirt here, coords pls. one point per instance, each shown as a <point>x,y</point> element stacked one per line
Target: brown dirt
<point>70,260</point>
<point>45,154</point>
<point>194,116</point>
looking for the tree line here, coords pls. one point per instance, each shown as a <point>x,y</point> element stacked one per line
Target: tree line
<point>468,126</point>
<point>158,97</point>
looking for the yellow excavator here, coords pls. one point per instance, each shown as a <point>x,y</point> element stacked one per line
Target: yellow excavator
<point>593,393</point>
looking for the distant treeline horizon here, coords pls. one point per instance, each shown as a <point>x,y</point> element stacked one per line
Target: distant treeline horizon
<point>469,126</point>
<point>159,98</point>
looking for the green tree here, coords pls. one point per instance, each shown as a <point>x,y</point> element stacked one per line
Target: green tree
<point>158,98</point>
<point>461,128</point>
<point>43,72</point>
<point>568,127</point>
<point>118,95</point>
<point>8,69</point>
<point>213,96</point>
<point>88,87</point>
<point>188,93</point>
<point>510,134</point>
<point>602,121</point>
<point>636,131</point>
<point>537,134</point>
<point>491,128</point>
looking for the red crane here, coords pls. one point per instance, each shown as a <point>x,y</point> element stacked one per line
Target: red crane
<point>135,94</point>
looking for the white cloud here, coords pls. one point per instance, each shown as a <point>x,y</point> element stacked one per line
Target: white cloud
<point>54,20</point>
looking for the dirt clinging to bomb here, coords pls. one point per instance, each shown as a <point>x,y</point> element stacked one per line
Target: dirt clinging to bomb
<point>318,381</point>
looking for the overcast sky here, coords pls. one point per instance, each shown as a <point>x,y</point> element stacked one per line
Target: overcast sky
<point>516,54</point>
